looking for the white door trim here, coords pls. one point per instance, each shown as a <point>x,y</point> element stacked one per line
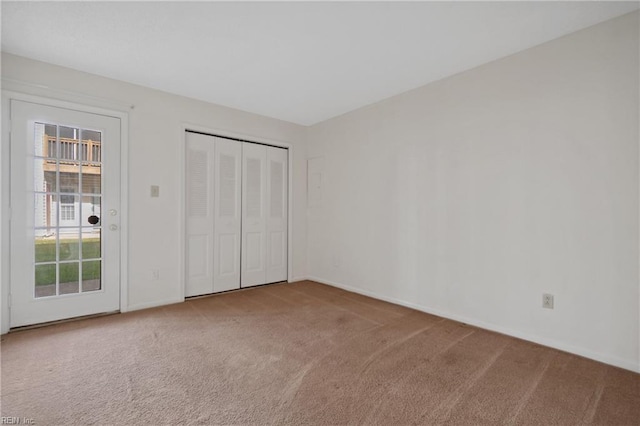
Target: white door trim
<point>5,260</point>
<point>184,127</point>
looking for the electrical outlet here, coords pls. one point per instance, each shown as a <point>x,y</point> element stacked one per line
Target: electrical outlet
<point>547,301</point>
<point>155,274</point>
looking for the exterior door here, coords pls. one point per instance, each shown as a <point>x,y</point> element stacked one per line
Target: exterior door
<point>65,204</point>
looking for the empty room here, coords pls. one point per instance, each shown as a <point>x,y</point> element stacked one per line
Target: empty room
<point>320,213</point>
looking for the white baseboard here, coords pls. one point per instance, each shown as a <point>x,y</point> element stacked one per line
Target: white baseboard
<point>154,304</point>
<point>605,358</point>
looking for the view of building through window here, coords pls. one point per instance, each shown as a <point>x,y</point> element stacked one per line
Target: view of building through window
<point>68,191</point>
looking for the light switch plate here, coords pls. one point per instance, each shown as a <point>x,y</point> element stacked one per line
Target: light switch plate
<point>155,191</point>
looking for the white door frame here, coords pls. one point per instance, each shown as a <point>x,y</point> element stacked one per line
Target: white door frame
<point>5,211</point>
<point>185,126</point>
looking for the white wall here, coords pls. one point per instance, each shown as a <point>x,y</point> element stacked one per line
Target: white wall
<point>472,196</point>
<point>155,152</point>
<point>468,197</point>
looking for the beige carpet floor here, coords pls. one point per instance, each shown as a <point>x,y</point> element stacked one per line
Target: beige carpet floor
<point>300,354</point>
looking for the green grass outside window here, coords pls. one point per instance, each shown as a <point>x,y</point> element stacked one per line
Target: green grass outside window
<point>46,252</point>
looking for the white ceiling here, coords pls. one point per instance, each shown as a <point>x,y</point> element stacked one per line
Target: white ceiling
<point>299,62</point>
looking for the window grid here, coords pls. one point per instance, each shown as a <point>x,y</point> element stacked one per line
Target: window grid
<point>69,149</point>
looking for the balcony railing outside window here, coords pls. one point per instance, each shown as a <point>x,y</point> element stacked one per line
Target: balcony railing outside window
<point>71,149</point>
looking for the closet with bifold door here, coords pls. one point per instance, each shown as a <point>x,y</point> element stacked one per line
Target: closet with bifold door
<point>236,214</point>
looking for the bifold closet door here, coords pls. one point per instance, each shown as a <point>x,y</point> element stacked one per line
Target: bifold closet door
<point>227,216</point>
<point>254,224</point>
<point>213,214</point>
<point>264,215</point>
<point>277,190</point>
<point>200,153</point>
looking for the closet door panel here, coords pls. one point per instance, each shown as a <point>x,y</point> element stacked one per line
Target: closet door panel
<point>254,242</point>
<point>200,214</point>
<point>277,194</point>
<point>226,265</point>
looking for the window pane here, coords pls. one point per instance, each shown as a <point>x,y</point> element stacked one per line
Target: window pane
<point>70,177</point>
<point>69,278</point>
<point>68,143</point>
<point>91,145</point>
<point>45,214</point>
<point>45,140</point>
<point>69,244</point>
<point>45,280</point>
<point>90,243</point>
<point>45,249</point>
<point>68,210</point>
<point>91,179</point>
<point>91,276</point>
<point>93,136</point>
<point>91,207</point>
<point>44,175</point>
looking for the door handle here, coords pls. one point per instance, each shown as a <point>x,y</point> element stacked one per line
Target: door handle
<point>93,219</point>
